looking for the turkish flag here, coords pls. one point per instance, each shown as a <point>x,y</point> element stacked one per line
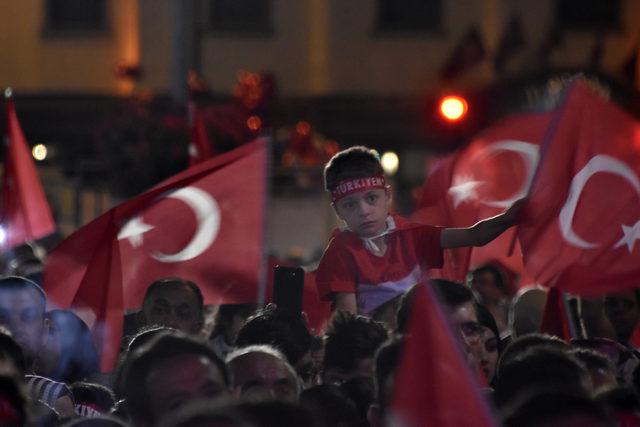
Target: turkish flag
<point>204,224</point>
<point>582,219</point>
<point>200,148</point>
<point>433,385</point>
<point>25,214</point>
<point>480,181</point>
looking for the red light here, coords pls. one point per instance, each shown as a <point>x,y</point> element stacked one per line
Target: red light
<point>453,108</point>
<point>254,123</point>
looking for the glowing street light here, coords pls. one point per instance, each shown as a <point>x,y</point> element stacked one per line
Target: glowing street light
<point>390,163</point>
<point>453,108</point>
<point>39,152</point>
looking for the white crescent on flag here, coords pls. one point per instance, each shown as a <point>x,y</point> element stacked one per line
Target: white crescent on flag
<point>207,214</point>
<point>605,164</point>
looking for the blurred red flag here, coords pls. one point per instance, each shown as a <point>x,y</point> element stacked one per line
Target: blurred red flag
<point>25,214</point>
<point>200,148</point>
<point>433,385</point>
<point>204,224</point>
<point>480,181</point>
<point>582,219</point>
<point>555,320</point>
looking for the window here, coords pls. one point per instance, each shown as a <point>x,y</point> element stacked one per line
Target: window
<point>409,16</point>
<point>75,17</point>
<point>241,17</point>
<point>589,14</point>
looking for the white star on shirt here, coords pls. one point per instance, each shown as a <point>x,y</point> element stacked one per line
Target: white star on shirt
<point>631,234</point>
<point>464,188</point>
<point>133,230</point>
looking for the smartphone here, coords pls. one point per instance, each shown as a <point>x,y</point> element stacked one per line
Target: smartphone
<point>288,284</point>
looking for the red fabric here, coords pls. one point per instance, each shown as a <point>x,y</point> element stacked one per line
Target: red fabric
<point>581,222</point>
<point>200,148</point>
<point>554,319</point>
<point>478,182</point>
<point>106,266</point>
<point>24,214</point>
<point>347,263</point>
<point>433,384</point>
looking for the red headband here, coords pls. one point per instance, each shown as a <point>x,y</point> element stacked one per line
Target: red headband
<point>350,186</point>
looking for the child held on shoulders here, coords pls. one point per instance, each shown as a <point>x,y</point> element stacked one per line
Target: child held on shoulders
<point>378,255</point>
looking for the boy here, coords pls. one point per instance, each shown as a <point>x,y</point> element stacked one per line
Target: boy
<point>380,255</point>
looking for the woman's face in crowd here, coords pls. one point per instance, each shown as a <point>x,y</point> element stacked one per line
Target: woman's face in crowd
<point>489,353</point>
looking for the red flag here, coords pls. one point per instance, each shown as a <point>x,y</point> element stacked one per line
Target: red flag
<point>582,222</point>
<point>433,384</point>
<point>480,181</point>
<point>204,224</point>
<point>200,148</point>
<point>25,214</point>
<point>555,320</point>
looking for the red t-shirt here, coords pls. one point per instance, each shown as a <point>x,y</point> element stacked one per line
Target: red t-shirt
<point>348,266</point>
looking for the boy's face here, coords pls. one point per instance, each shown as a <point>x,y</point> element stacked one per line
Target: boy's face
<point>365,212</point>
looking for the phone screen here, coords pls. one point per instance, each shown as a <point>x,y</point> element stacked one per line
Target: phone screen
<point>288,284</point>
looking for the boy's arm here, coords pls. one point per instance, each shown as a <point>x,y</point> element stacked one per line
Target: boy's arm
<point>346,301</point>
<point>483,231</point>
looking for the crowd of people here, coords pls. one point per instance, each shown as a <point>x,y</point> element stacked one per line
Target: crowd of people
<point>184,363</point>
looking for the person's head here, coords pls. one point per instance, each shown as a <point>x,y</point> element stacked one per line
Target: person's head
<point>260,372</point>
<point>229,320</point>
<point>331,404</point>
<point>488,282</point>
<point>541,368</point>
<point>273,327</point>
<point>601,370</point>
<point>170,371</point>
<point>92,400</point>
<point>623,311</point>
<point>204,414</point>
<point>526,310</point>
<point>490,345</point>
<point>12,358</point>
<point>527,342</point>
<point>69,354</point>
<point>460,306</point>
<point>558,408</point>
<point>387,359</point>
<point>350,347</point>
<point>22,312</point>
<point>359,193</point>
<point>13,403</point>
<point>174,302</point>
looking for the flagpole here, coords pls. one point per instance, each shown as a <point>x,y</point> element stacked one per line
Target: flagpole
<point>546,144</point>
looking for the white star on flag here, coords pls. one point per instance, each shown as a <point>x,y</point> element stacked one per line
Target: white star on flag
<point>464,188</point>
<point>631,234</point>
<point>133,230</point>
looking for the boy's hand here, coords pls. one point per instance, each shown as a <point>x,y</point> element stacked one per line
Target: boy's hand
<point>513,214</point>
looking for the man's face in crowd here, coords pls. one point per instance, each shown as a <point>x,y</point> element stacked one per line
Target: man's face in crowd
<point>179,380</point>
<point>484,283</point>
<point>22,312</point>
<point>364,367</point>
<point>173,306</point>
<point>622,311</point>
<point>260,376</point>
<point>464,322</point>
